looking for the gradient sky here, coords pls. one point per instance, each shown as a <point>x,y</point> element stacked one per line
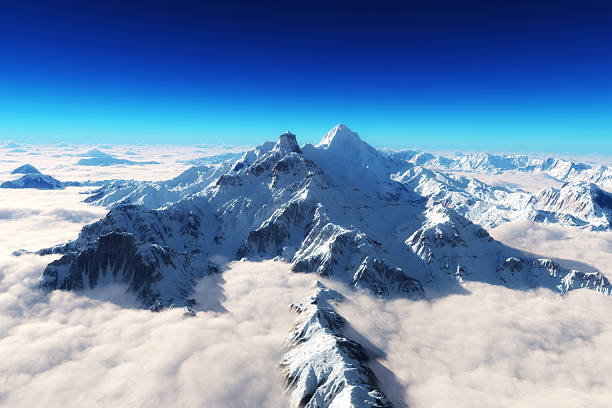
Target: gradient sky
<point>479,75</point>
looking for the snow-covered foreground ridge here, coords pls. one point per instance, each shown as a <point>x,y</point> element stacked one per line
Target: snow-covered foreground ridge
<point>322,367</point>
<point>332,209</point>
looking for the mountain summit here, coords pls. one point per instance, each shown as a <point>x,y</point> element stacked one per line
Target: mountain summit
<point>348,149</point>
<point>26,169</point>
<point>287,143</point>
<point>340,137</point>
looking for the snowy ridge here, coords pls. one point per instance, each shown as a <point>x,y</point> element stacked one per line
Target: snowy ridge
<point>481,203</point>
<point>322,368</point>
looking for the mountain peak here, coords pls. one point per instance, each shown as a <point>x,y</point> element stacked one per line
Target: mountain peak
<point>339,135</point>
<point>287,143</point>
<point>26,169</point>
<point>95,152</point>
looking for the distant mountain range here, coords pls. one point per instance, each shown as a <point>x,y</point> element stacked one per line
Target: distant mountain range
<point>487,163</point>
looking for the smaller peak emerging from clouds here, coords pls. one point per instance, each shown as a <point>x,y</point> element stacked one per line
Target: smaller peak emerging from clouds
<point>95,152</point>
<point>26,169</point>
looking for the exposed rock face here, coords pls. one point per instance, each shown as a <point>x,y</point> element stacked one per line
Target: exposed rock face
<point>115,257</point>
<point>156,257</point>
<point>327,210</point>
<point>287,143</point>
<point>322,367</point>
<point>593,280</point>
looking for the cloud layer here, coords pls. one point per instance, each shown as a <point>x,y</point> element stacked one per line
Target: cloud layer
<point>67,349</point>
<point>572,247</point>
<point>494,347</point>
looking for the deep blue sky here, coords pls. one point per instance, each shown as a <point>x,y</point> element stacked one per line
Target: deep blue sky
<point>440,75</point>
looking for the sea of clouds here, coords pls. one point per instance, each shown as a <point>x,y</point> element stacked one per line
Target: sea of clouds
<point>492,348</point>
<point>60,160</point>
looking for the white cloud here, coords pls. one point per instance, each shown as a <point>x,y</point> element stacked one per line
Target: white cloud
<point>33,219</point>
<point>494,347</point>
<point>67,349</point>
<point>572,247</point>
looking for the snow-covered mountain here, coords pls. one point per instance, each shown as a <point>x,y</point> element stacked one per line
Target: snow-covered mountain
<point>488,163</point>
<point>158,194</point>
<point>430,176</point>
<point>25,169</point>
<point>332,209</point>
<point>34,180</point>
<point>488,206</point>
